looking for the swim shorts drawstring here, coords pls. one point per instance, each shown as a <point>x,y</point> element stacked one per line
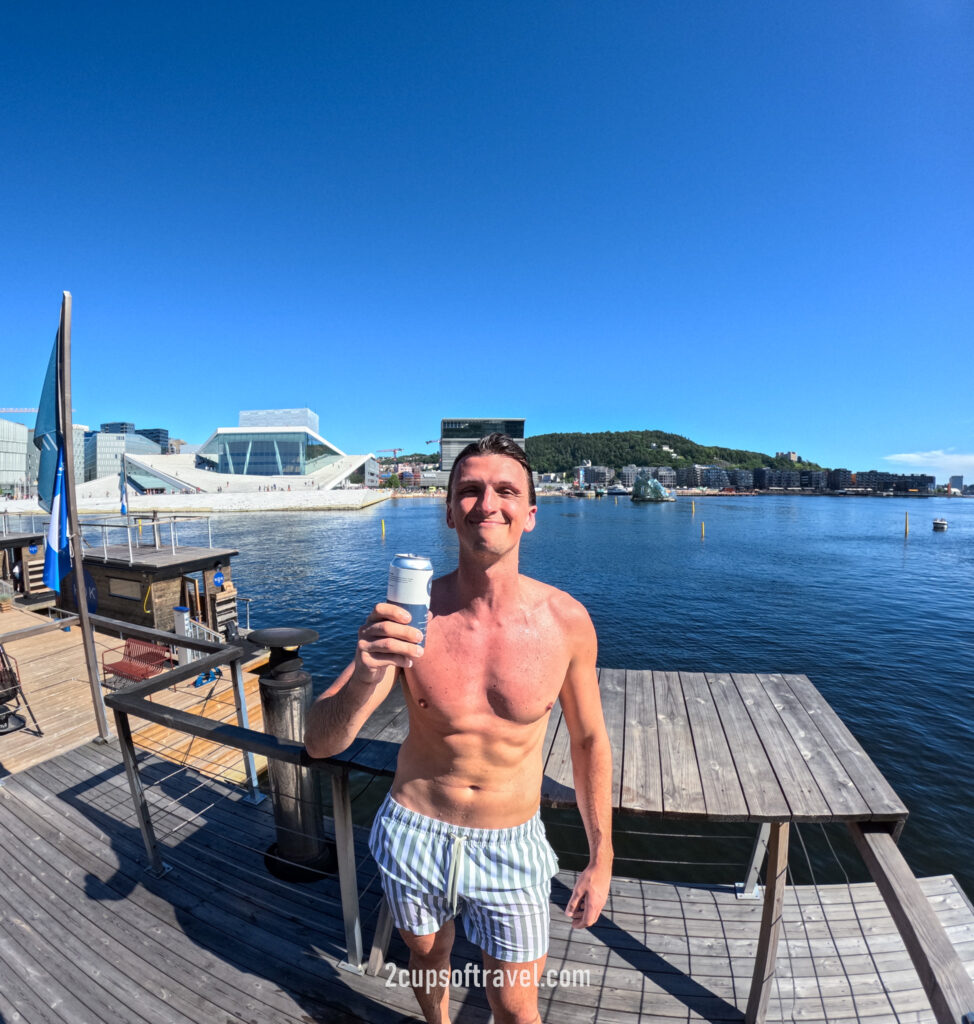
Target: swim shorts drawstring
<point>453,878</point>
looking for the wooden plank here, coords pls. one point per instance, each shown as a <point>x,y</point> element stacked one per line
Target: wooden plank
<point>883,802</point>
<point>612,690</point>
<point>767,954</point>
<point>794,777</point>
<point>641,789</point>
<point>557,784</point>
<point>759,784</point>
<point>833,780</point>
<point>682,788</point>
<point>943,976</point>
<point>722,792</point>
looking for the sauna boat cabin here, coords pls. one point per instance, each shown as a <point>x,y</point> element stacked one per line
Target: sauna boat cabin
<point>143,578</point>
<point>27,549</point>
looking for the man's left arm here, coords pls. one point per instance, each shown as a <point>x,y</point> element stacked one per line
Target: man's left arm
<point>591,769</point>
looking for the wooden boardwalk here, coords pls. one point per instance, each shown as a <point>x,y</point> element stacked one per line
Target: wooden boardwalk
<point>88,937</point>
<point>54,678</point>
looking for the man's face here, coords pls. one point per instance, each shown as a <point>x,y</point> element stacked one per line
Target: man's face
<point>489,507</point>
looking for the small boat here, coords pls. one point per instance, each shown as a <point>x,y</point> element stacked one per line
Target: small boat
<point>940,524</point>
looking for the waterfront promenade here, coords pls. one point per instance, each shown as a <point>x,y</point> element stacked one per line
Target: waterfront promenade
<point>299,499</point>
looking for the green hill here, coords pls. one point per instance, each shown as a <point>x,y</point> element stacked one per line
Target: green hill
<point>560,453</point>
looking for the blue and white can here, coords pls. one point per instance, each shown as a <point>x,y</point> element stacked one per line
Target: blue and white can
<point>410,584</point>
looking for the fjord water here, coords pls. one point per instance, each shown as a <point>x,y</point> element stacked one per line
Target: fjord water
<point>883,624</point>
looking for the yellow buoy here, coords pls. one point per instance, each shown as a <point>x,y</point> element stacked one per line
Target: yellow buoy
<point>906,531</point>
<point>702,525</point>
<point>693,508</point>
<point>383,528</point>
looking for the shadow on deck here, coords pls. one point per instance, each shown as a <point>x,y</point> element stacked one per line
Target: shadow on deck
<point>87,935</point>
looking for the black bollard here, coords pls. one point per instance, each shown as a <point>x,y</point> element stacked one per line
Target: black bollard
<point>302,851</point>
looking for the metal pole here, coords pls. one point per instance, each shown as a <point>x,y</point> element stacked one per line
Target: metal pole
<point>750,887</point>
<point>209,532</point>
<point>157,866</point>
<point>240,699</point>
<point>347,878</point>
<point>128,537</point>
<point>74,530</point>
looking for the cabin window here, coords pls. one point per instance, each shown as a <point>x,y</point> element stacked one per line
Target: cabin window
<point>131,590</point>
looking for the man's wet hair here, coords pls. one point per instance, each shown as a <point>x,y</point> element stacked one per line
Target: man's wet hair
<point>494,444</point>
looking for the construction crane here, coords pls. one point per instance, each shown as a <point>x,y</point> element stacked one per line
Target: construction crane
<point>395,455</point>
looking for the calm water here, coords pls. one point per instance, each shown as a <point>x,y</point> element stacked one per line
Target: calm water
<point>829,587</point>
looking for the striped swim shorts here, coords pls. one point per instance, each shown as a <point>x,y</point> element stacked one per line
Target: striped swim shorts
<point>497,879</point>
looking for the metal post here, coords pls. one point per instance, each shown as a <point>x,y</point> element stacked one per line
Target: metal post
<point>158,866</point>
<point>128,537</point>
<point>750,888</point>
<point>104,542</point>
<point>74,527</point>
<point>302,851</point>
<point>240,699</point>
<point>155,527</point>
<point>347,878</point>
<point>180,615</point>
<point>209,533</point>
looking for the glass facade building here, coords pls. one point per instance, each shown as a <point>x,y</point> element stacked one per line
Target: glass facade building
<point>279,451</point>
<point>456,434</point>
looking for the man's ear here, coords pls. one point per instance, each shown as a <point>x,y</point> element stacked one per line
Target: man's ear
<point>449,518</point>
<point>531,522</point>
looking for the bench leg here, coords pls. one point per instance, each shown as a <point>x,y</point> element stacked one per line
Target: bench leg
<point>774,898</point>
<point>380,941</point>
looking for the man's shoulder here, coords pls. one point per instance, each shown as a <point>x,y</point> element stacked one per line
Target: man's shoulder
<point>560,603</point>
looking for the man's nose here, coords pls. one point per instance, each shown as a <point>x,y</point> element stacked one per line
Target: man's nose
<point>488,499</point>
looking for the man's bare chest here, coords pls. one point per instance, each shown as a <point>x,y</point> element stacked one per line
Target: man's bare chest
<point>513,674</point>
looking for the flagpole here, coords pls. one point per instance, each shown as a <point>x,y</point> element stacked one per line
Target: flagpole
<point>74,530</point>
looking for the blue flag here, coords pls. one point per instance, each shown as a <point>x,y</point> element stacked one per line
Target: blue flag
<point>122,495</point>
<point>57,557</point>
<point>47,436</point>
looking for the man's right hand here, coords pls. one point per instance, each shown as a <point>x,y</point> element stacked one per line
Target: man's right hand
<point>385,640</point>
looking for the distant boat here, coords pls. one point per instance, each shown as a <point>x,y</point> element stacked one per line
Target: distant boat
<point>648,489</point>
<point>618,489</point>
<point>940,524</point>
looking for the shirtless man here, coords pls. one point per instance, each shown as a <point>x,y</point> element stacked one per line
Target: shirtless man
<point>460,831</point>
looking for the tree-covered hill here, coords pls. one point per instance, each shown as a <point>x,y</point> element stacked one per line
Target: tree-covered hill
<point>559,453</point>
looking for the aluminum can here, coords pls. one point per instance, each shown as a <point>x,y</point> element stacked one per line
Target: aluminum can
<point>410,583</point>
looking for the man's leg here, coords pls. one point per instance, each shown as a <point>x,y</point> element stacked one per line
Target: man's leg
<point>428,956</point>
<point>512,989</point>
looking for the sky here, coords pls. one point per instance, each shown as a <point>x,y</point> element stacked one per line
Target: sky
<point>749,223</point>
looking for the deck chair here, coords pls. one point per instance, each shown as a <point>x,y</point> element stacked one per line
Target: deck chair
<point>11,690</point>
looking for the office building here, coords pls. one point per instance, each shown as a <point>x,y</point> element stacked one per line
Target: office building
<point>117,428</point>
<point>456,434</point>
<point>13,458</point>
<point>103,452</point>
<point>158,435</point>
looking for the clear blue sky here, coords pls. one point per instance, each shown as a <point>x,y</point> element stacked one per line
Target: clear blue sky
<point>748,223</point>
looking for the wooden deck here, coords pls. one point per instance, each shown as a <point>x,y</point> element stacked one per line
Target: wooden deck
<point>54,679</point>
<point>86,935</point>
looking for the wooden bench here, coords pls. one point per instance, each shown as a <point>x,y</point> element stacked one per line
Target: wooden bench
<point>140,659</point>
